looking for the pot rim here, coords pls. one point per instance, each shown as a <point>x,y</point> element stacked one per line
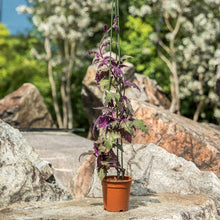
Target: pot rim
<point>114,179</point>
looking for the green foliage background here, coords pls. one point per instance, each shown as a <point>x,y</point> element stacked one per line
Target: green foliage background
<point>18,66</point>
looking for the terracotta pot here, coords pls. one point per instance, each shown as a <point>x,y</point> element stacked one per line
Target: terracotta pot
<point>116,193</point>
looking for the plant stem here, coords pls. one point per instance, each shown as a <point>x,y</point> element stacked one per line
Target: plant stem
<point>118,33</point>
<point>110,78</point>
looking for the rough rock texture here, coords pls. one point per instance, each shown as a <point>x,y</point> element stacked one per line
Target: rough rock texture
<point>25,107</point>
<point>178,135</point>
<point>181,136</point>
<point>151,207</point>
<point>62,150</point>
<point>24,176</point>
<point>154,170</point>
<point>82,181</point>
<point>92,95</point>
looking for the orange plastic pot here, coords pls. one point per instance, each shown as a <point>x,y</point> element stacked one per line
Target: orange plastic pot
<point>116,193</point>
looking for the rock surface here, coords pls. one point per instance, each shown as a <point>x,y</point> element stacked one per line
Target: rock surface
<point>154,170</point>
<point>181,136</point>
<point>92,95</point>
<point>24,176</point>
<point>62,150</point>
<point>178,135</point>
<point>25,107</point>
<point>151,207</point>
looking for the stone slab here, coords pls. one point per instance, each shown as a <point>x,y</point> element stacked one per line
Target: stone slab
<point>151,207</point>
<point>62,150</point>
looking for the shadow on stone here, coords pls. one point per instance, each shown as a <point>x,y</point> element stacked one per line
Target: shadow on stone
<point>137,202</point>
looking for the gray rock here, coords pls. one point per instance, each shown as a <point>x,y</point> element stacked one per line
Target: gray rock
<point>179,135</point>
<point>151,207</point>
<point>62,150</point>
<point>24,176</point>
<point>25,107</point>
<point>154,170</point>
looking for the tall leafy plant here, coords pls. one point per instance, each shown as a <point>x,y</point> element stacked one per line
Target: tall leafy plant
<point>116,123</point>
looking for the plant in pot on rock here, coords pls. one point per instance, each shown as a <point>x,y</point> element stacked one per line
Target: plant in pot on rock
<point>116,123</point>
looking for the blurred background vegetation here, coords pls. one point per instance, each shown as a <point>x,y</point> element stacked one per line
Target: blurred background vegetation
<point>70,28</point>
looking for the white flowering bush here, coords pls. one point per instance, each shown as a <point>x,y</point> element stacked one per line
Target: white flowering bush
<point>187,35</point>
<point>63,25</point>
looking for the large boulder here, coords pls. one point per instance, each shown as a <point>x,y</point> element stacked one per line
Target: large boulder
<point>178,135</point>
<point>92,96</point>
<point>181,136</point>
<point>62,150</point>
<point>24,176</point>
<point>164,206</point>
<point>154,170</point>
<point>25,107</point>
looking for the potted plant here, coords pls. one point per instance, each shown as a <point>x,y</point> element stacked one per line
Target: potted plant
<point>116,122</point>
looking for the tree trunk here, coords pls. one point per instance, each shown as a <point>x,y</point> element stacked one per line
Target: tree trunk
<point>175,104</point>
<point>52,82</point>
<point>199,106</point>
<point>68,89</point>
<point>198,110</point>
<point>170,59</point>
<point>64,101</point>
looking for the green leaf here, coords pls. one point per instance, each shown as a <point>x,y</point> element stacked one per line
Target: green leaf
<point>101,173</point>
<point>127,126</point>
<point>104,84</point>
<point>110,141</point>
<point>139,124</point>
<point>101,149</point>
<point>111,96</point>
<point>114,124</point>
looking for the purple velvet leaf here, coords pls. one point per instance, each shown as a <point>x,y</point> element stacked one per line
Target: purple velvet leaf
<point>96,149</point>
<point>116,27</point>
<point>122,65</point>
<point>131,84</point>
<point>118,70</point>
<point>127,136</point>
<point>101,121</point>
<point>103,63</point>
<point>115,19</point>
<point>100,75</point>
<point>94,126</point>
<point>96,60</point>
<point>91,52</point>
<point>105,44</point>
<point>108,58</point>
<point>105,27</point>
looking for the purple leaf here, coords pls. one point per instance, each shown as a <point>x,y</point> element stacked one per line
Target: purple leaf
<point>105,27</point>
<point>109,57</point>
<point>122,65</point>
<point>100,75</point>
<point>96,149</point>
<point>116,27</point>
<point>95,60</point>
<point>115,19</point>
<point>131,84</point>
<point>127,136</point>
<point>91,52</point>
<point>103,63</point>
